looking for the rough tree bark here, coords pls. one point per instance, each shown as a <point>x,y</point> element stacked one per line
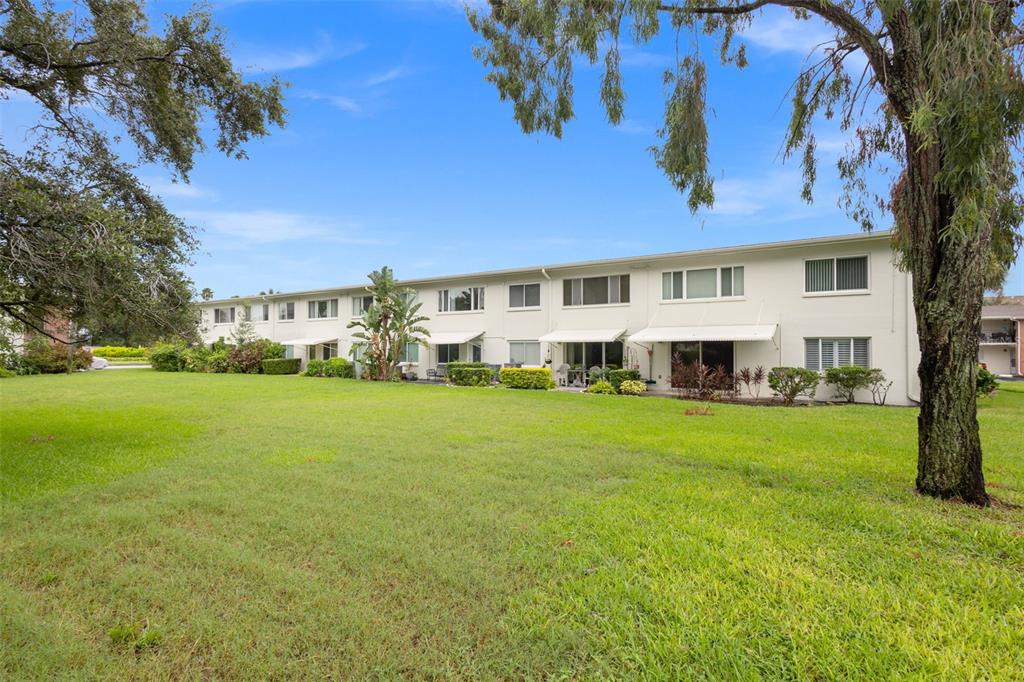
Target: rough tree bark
<point>948,275</point>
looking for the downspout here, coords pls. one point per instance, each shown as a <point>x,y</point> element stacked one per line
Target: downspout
<point>544,272</point>
<point>909,340</point>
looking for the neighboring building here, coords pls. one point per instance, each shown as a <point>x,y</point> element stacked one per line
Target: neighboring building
<point>814,303</point>
<point>1002,338</point>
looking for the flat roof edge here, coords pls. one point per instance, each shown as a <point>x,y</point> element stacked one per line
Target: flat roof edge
<point>762,246</point>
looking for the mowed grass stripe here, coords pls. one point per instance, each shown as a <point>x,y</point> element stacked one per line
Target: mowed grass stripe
<point>284,527</point>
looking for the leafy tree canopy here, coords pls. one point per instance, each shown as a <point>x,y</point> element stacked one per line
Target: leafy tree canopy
<point>391,322</point>
<point>78,232</point>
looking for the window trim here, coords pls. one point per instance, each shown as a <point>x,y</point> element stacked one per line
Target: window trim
<point>821,369</point>
<point>473,297</point>
<point>360,298</point>
<point>620,303</point>
<point>718,285</point>
<point>229,322</point>
<point>285,320</point>
<point>540,357</point>
<point>515,309</point>
<point>835,275</point>
<point>253,305</point>
<point>337,301</point>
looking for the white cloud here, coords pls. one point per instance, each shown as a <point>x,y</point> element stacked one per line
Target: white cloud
<point>257,227</point>
<point>392,74</point>
<point>752,196</point>
<point>176,190</point>
<point>780,33</point>
<point>274,60</point>
<point>631,126</point>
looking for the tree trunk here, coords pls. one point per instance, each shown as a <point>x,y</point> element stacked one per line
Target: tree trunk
<point>948,274</point>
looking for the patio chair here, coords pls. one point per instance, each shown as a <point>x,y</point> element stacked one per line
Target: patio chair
<point>562,374</point>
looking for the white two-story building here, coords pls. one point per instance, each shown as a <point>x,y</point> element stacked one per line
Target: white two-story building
<point>814,303</point>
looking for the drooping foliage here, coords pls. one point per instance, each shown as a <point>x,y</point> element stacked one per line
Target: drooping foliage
<point>388,325</point>
<point>937,108</point>
<point>78,232</point>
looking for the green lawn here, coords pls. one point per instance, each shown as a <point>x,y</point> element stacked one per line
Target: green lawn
<point>283,527</point>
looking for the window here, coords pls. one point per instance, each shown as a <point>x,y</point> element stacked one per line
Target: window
<point>286,311</point>
<point>460,300</point>
<point>595,290</point>
<point>410,353</point>
<point>223,315</point>
<point>732,281</point>
<point>524,296</point>
<point>360,304</point>
<point>524,352</point>
<point>258,312</point>
<point>836,274</point>
<point>322,351</point>
<point>323,309</point>
<point>587,355</point>
<point>447,352</point>
<point>702,283</point>
<point>477,352</point>
<point>821,354</point>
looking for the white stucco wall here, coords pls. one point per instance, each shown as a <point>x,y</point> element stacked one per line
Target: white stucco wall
<point>774,294</point>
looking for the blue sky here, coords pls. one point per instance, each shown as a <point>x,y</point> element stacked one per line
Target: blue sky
<point>397,152</point>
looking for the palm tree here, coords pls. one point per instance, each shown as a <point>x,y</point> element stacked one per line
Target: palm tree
<point>387,326</point>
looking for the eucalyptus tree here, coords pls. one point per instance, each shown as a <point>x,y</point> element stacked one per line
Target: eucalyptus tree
<point>939,98</point>
<point>389,324</point>
<point>79,233</point>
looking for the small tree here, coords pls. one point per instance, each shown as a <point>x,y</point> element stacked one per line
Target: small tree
<point>244,332</point>
<point>848,380</point>
<point>387,326</point>
<point>789,383</point>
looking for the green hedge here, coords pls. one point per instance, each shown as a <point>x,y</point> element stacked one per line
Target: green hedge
<point>166,357</point>
<point>470,374</point>
<point>789,383</point>
<point>527,377</point>
<point>119,352</point>
<point>617,376</point>
<point>282,366</point>
<point>335,367</point>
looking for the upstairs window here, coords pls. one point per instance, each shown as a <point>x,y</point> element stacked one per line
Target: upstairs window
<point>323,309</point>
<point>702,283</point>
<point>286,311</point>
<point>821,354</point>
<point>824,275</point>
<point>360,304</point>
<point>524,296</point>
<point>595,290</point>
<point>258,312</point>
<point>223,315</point>
<point>460,300</point>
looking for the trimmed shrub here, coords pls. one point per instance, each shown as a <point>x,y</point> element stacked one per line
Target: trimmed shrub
<point>217,362</point>
<point>601,387</point>
<point>469,374</point>
<point>272,350</point>
<point>335,367</point>
<point>166,357</point>
<point>247,359</point>
<point>119,352</point>
<point>848,380</point>
<point>789,383</point>
<point>281,365</point>
<point>43,357</point>
<point>632,387</point>
<point>987,382</point>
<point>194,359</point>
<point>538,378</point>
<point>617,376</point>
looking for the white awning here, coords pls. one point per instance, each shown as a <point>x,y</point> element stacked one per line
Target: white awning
<point>733,332</point>
<point>437,338</point>
<point>311,341</point>
<point>582,335</point>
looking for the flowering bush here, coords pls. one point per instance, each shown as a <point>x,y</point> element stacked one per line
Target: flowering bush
<point>632,387</point>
